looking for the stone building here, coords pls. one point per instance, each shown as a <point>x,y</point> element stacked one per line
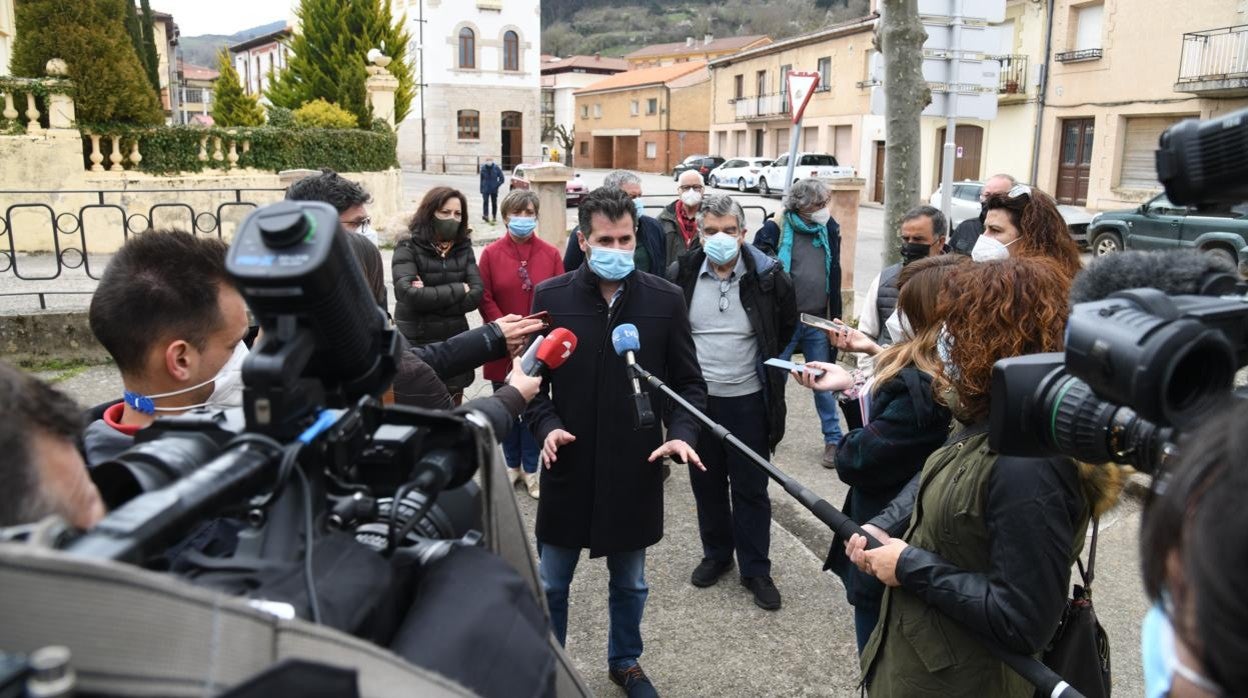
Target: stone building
<point>561,77</point>
<point>647,120</point>
<point>481,63</point>
<point>709,48</point>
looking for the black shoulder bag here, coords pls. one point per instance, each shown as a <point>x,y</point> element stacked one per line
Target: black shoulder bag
<point>1079,650</point>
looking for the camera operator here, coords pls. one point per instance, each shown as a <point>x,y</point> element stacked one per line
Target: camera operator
<point>42,472</point>
<point>1193,552</point>
<point>991,538</point>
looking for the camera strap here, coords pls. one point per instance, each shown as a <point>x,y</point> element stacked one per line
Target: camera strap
<point>1088,573</point>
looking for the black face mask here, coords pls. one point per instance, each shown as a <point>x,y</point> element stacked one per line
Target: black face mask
<point>911,251</point>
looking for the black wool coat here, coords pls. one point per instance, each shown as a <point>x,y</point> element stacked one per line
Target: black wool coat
<point>438,310</point>
<point>601,493</point>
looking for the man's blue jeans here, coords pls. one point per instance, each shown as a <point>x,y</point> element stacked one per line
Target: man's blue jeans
<point>627,599</point>
<point>815,347</point>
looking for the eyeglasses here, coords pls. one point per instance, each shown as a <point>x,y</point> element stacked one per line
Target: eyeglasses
<point>686,187</point>
<point>357,224</point>
<point>725,285</point>
<point>526,284</point>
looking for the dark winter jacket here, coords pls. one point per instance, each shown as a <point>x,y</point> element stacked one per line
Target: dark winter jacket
<point>465,352</point>
<point>905,426</point>
<point>966,235</point>
<point>886,295</point>
<point>601,493</point>
<point>673,242</point>
<point>436,311</point>
<point>767,296</point>
<point>767,239</point>
<point>491,178</point>
<point>649,236</point>
<point>991,542</point>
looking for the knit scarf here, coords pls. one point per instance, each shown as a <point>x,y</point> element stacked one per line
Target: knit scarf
<point>819,233</point>
<point>688,226</point>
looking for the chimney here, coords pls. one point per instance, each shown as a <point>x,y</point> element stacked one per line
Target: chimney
<point>708,39</point>
<point>688,41</point>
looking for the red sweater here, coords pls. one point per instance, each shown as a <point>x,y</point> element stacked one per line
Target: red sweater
<point>504,293</point>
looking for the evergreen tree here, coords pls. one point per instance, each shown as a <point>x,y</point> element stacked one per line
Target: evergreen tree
<point>147,52</point>
<point>328,56</point>
<point>91,36</point>
<point>231,106</point>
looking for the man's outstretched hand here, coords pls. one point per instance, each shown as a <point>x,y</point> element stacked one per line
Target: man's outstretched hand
<point>678,450</point>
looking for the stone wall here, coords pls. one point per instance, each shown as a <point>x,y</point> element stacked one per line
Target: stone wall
<point>40,337</point>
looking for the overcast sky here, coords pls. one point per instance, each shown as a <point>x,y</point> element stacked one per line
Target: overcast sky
<point>195,17</point>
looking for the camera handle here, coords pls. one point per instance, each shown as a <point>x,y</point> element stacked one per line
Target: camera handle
<point>1030,668</point>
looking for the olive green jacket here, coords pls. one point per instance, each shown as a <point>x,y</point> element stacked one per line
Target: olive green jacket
<point>992,539</point>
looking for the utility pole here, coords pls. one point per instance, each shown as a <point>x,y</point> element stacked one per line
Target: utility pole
<point>906,93</point>
<point>951,113</point>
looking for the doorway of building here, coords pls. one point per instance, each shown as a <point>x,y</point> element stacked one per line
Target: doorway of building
<point>877,194</point>
<point>512,139</point>
<point>758,142</point>
<point>1074,162</point>
<point>969,141</point>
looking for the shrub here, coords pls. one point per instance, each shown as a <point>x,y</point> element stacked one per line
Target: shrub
<point>231,106</point>
<point>110,83</point>
<point>280,117</point>
<point>321,114</point>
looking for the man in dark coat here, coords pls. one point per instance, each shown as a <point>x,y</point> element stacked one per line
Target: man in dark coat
<point>968,231</point>
<point>602,487</point>
<point>491,179</point>
<point>742,311</point>
<point>649,254</point>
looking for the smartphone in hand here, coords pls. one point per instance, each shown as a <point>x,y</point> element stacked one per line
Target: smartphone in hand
<point>543,315</point>
<point>790,366</point>
<point>823,323</point>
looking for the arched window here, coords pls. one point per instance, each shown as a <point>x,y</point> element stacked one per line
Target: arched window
<point>469,122</point>
<point>467,49</point>
<point>511,51</point>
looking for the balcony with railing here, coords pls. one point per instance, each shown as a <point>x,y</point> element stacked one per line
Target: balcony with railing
<point>1215,62</point>
<point>1013,75</point>
<point>762,107</point>
<point>1080,55</point>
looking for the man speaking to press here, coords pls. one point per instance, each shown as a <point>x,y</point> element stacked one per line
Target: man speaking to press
<point>602,487</point>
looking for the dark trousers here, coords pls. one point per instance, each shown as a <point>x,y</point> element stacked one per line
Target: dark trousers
<point>489,205</point>
<point>734,511</point>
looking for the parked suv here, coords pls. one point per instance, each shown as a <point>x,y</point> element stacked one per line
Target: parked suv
<point>702,163</point>
<point>1160,225</point>
<point>771,179</point>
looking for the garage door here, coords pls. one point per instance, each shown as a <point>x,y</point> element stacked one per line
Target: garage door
<point>1139,169</point>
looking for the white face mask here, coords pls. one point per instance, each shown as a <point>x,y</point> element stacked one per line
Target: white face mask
<point>988,249</point>
<point>367,231</point>
<point>899,327</point>
<point>821,217</point>
<point>227,389</point>
<point>691,197</point>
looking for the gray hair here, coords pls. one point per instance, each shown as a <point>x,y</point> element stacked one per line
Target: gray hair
<point>618,178</point>
<point>701,180</point>
<point>516,200</point>
<point>721,205</point>
<point>806,193</point>
<point>940,225</point>
<point>1002,175</point>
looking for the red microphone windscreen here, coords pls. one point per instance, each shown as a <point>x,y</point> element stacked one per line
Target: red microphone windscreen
<point>559,345</point>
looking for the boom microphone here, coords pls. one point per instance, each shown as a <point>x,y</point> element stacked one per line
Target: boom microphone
<point>1175,273</point>
<point>554,351</point>
<point>626,340</point>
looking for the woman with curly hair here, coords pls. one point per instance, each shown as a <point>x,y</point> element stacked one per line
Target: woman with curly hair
<point>1025,222</point>
<point>986,540</point>
<point>902,422</point>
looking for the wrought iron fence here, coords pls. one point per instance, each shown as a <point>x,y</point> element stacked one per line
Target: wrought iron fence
<point>1086,54</point>
<point>762,106</point>
<point>1214,54</point>
<point>73,233</point>
<point>1013,74</point>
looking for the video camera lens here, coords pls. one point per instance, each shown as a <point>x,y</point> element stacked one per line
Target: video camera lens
<point>1087,428</point>
<point>151,465</point>
<point>1202,162</point>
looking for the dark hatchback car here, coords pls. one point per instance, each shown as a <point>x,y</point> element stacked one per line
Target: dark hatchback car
<point>702,163</point>
<point>1159,224</point>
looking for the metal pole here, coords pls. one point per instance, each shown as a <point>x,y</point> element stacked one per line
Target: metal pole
<point>951,111</point>
<point>420,19</point>
<point>788,174</point>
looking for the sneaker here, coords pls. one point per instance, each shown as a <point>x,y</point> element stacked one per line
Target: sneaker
<point>829,456</point>
<point>634,681</point>
<point>766,595</point>
<point>531,483</point>
<point>709,571</point>
<point>514,475</point>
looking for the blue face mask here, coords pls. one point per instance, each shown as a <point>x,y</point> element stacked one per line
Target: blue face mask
<point>1161,661</point>
<point>522,226</point>
<point>641,209</point>
<point>610,264</point>
<point>721,248</point>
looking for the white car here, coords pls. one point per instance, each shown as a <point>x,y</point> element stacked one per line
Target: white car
<point>771,179</point>
<point>965,204</point>
<point>741,174</point>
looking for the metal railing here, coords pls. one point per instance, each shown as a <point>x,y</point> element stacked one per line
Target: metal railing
<point>45,233</point>
<point>1013,74</point>
<point>196,95</point>
<point>1214,54</point>
<point>1086,54</point>
<point>450,163</point>
<point>761,107</point>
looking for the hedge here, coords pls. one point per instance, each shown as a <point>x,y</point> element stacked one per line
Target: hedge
<point>174,149</point>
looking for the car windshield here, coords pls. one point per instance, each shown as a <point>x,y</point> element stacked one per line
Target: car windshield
<point>819,160</point>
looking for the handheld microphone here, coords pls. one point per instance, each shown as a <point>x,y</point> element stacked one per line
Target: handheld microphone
<point>529,359</point>
<point>626,340</point>
<point>553,352</point>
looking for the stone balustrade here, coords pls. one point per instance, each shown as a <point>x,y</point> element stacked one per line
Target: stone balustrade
<point>22,98</point>
<point>122,150</point>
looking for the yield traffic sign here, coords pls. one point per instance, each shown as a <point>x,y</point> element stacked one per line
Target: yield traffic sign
<point>801,87</point>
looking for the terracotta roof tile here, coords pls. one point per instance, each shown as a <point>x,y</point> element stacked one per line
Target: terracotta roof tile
<point>730,43</point>
<point>645,76</point>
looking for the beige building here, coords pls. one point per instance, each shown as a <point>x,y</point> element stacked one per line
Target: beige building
<point>7,30</point>
<point>261,57</point>
<point>647,120</point>
<point>708,49</point>
<point>561,78</point>
<point>1122,71</point>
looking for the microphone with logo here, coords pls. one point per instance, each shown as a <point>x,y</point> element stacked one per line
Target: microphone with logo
<point>553,351</point>
<point>626,340</point>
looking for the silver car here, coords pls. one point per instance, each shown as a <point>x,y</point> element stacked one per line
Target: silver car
<point>739,173</point>
<point>966,204</point>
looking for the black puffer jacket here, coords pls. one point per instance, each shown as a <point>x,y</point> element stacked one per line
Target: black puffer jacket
<point>437,310</point>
